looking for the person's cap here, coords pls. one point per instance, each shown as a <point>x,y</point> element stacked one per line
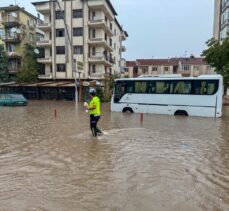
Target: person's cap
<point>92,91</point>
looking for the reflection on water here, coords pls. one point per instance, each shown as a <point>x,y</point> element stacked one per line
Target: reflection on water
<point>165,163</point>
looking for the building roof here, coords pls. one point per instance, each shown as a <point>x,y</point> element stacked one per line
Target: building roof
<point>17,8</point>
<point>131,63</point>
<point>167,62</point>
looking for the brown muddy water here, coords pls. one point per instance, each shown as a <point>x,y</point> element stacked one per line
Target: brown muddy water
<point>165,163</point>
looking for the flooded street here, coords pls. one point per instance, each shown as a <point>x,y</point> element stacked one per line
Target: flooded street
<point>165,163</point>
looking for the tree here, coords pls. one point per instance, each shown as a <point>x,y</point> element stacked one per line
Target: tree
<point>29,69</point>
<point>4,74</point>
<point>217,55</point>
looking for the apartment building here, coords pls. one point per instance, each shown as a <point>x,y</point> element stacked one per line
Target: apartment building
<point>186,66</point>
<point>221,19</point>
<point>17,27</point>
<point>80,31</point>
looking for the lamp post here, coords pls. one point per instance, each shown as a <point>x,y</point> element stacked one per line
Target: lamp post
<point>73,61</point>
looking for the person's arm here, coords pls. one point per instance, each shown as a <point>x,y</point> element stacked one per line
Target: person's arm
<point>93,107</point>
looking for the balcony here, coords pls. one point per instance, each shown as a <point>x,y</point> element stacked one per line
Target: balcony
<point>47,60</point>
<point>100,42</point>
<point>10,21</point>
<point>44,43</point>
<point>100,58</point>
<point>185,73</point>
<point>225,6</point>
<point>45,76</point>
<point>13,70</point>
<point>12,39</point>
<point>44,26</point>
<point>101,5</point>
<point>13,55</point>
<point>100,23</point>
<point>224,23</point>
<point>43,7</point>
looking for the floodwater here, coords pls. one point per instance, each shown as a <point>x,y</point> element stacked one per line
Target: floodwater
<point>165,163</point>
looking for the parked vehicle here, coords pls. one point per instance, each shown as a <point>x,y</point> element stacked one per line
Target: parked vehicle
<point>12,100</point>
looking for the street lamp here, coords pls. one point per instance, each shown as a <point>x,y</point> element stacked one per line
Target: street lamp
<point>73,61</point>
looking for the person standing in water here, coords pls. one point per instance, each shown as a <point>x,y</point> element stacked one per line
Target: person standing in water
<point>94,111</point>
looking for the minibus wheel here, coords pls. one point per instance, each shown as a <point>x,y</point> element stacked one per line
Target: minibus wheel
<point>127,110</point>
<point>181,113</point>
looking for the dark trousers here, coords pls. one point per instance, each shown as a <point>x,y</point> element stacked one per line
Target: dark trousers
<point>93,124</point>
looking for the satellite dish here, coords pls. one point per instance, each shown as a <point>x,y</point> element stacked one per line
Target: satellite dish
<point>86,83</point>
<point>36,51</point>
<point>98,83</point>
<point>13,30</point>
<point>18,31</point>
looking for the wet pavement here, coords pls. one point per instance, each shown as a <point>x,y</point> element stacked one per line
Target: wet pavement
<point>165,163</point>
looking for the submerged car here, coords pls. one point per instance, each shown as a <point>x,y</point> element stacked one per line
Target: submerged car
<point>12,100</point>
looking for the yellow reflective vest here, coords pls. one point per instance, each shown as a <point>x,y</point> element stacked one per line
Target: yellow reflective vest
<point>95,102</point>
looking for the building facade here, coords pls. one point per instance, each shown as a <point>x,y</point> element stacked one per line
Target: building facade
<point>221,19</point>
<point>17,28</point>
<point>155,67</point>
<point>80,31</point>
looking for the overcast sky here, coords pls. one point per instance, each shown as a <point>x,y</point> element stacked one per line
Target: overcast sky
<point>159,28</point>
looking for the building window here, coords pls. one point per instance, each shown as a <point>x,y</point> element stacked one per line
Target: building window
<point>78,31</point>
<point>166,68</point>
<point>78,49</point>
<point>60,33</point>
<point>115,46</point>
<point>78,13</point>
<point>60,49</point>
<point>185,67</point>
<point>59,14</point>
<point>93,33</point>
<point>1,32</point>
<point>144,69</point>
<point>93,51</point>
<point>93,68</point>
<point>93,15</point>
<point>208,68</point>
<point>60,67</point>
<point>11,48</point>
<point>110,42</point>
<point>196,68</point>
<point>31,37</point>
<point>115,32</point>
<point>154,69</point>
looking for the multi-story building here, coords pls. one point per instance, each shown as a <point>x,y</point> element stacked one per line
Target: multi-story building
<point>185,66</point>
<point>80,31</point>
<point>221,19</point>
<point>17,28</point>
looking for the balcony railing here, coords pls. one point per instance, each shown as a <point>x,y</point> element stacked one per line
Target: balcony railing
<point>10,21</point>
<point>47,60</point>
<point>13,39</point>
<point>44,43</point>
<point>102,42</point>
<point>49,76</point>
<point>43,7</point>
<point>13,54</point>
<point>100,23</point>
<point>101,58</point>
<point>225,5</point>
<point>101,5</point>
<point>13,69</point>
<point>224,23</point>
<point>44,26</point>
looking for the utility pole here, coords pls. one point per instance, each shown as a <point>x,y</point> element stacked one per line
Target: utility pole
<point>73,61</point>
